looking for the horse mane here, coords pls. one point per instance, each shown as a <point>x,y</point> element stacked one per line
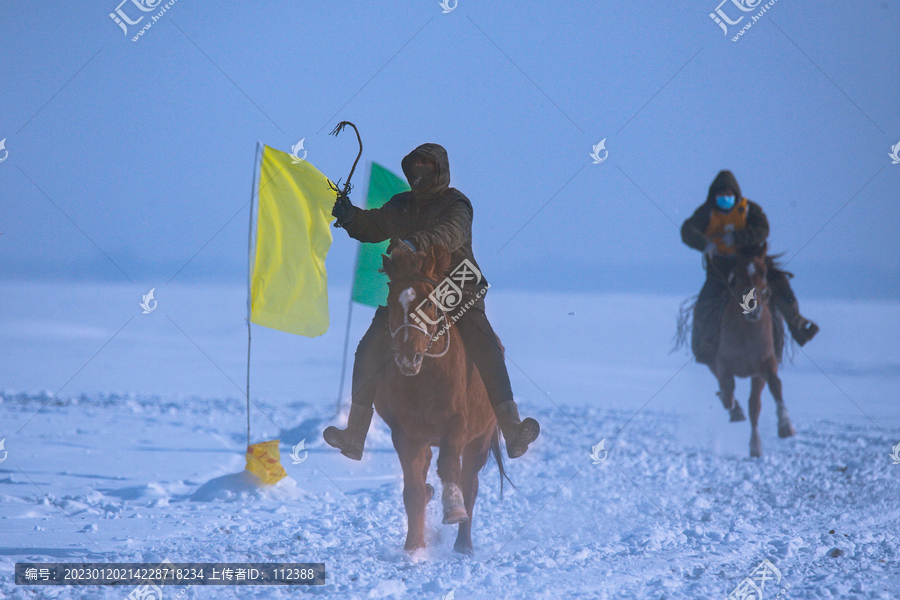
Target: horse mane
<point>775,263</point>
<point>753,251</point>
<point>684,323</point>
<point>433,263</point>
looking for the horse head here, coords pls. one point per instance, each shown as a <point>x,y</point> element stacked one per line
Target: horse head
<point>748,280</point>
<point>414,319</point>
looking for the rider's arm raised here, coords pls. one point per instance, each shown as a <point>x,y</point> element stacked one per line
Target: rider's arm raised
<point>375,224</point>
<point>453,228</point>
<point>756,230</point>
<point>692,231</point>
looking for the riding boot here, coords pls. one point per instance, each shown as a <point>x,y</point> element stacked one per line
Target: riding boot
<point>371,357</point>
<point>352,440</point>
<point>486,351</point>
<point>518,433</point>
<point>802,330</point>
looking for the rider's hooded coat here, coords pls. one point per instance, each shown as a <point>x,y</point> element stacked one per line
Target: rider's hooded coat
<point>751,228</point>
<point>439,214</point>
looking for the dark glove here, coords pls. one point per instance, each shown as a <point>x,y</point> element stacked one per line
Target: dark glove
<point>343,209</point>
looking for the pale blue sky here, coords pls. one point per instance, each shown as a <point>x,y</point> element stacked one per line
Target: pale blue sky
<point>148,146</point>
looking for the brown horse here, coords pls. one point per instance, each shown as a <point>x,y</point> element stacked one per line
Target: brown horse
<point>432,395</point>
<point>746,346</point>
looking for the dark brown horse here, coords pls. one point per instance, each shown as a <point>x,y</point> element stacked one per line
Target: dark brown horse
<point>432,395</point>
<point>746,346</point>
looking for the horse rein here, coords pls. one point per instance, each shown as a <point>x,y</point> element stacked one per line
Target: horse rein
<point>729,279</point>
<point>763,295</point>
<point>417,327</point>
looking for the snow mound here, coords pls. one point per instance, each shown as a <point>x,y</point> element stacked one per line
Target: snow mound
<point>243,486</point>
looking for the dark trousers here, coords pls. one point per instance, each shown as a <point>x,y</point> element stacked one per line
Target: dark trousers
<point>374,353</point>
<point>711,302</point>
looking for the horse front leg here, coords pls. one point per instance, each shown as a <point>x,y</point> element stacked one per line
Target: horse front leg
<point>755,404</point>
<point>785,427</point>
<point>726,394</point>
<point>448,468</point>
<point>474,458</point>
<point>414,458</point>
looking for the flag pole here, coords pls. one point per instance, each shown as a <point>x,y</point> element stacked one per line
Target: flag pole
<point>350,306</point>
<point>346,344</point>
<point>249,278</point>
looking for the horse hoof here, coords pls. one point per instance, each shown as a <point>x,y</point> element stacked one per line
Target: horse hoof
<point>453,517</point>
<point>755,447</point>
<point>454,505</point>
<point>411,548</point>
<point>786,430</point>
<point>429,492</point>
<point>737,413</point>
<point>464,548</point>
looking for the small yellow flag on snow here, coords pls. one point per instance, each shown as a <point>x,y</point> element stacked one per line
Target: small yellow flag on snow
<point>264,461</point>
<point>288,284</point>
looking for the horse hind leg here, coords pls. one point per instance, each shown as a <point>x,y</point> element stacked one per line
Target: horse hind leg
<point>474,459</point>
<point>755,404</point>
<point>429,489</point>
<point>785,427</point>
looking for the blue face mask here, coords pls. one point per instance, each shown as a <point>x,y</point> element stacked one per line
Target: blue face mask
<point>725,202</point>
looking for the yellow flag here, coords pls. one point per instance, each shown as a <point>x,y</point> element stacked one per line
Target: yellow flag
<point>289,285</point>
<point>264,461</point>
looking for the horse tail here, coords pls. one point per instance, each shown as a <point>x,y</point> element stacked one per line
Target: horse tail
<point>498,457</point>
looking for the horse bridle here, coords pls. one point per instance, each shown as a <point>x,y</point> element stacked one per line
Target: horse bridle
<point>763,296</point>
<point>729,278</point>
<point>394,332</point>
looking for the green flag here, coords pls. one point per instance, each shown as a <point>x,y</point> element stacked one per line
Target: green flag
<point>370,286</point>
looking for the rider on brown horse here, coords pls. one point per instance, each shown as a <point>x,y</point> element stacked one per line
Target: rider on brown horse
<point>723,225</point>
<point>432,213</point>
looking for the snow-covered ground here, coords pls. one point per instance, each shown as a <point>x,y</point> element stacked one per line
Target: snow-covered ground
<point>138,456</point>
